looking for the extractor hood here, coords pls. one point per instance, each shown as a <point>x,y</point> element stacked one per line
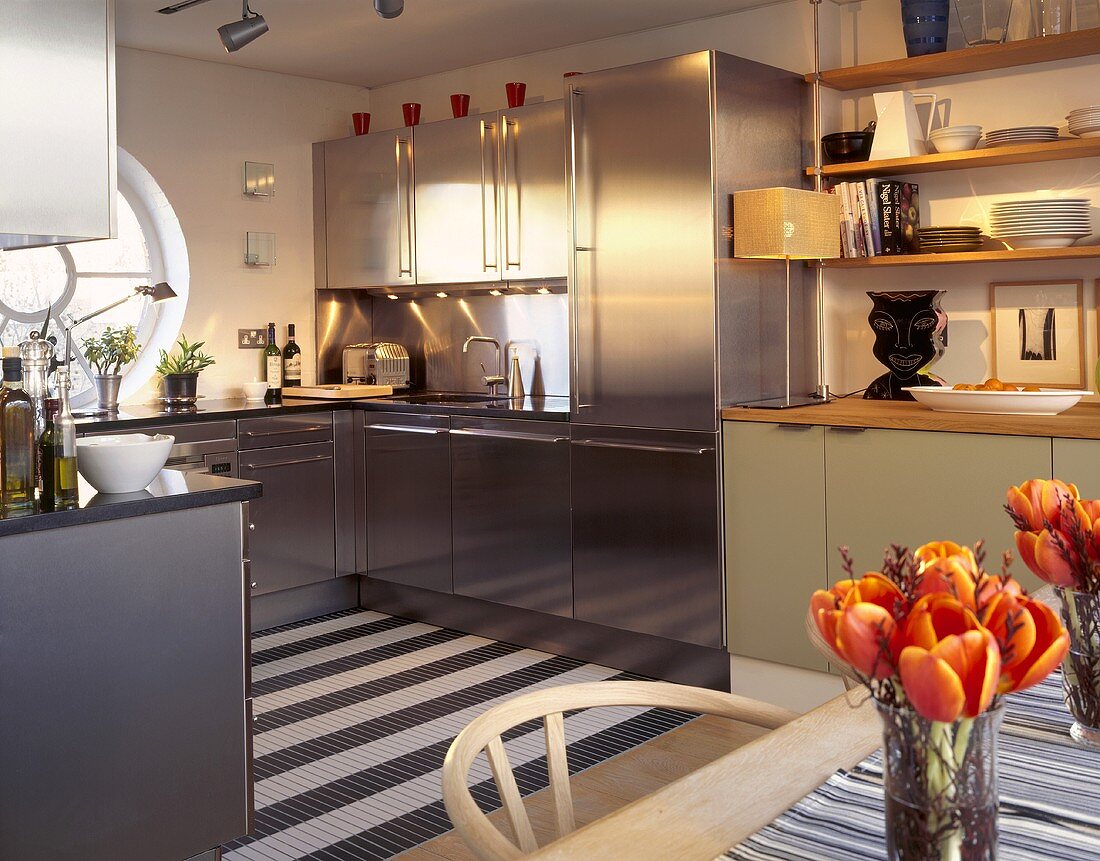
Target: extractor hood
<point>57,126</point>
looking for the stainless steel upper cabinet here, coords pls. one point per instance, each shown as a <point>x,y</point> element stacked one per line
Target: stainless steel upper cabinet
<point>643,274</point>
<point>534,202</point>
<point>457,186</point>
<point>364,211</point>
<point>58,154</point>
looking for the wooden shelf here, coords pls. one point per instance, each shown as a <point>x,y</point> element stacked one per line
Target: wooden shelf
<point>1021,255</point>
<point>992,157</point>
<point>965,61</point>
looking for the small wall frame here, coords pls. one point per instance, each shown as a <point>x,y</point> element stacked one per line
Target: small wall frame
<point>259,179</point>
<point>259,249</point>
<point>1038,333</point>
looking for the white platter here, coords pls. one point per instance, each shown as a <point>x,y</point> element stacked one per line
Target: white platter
<point>1048,402</point>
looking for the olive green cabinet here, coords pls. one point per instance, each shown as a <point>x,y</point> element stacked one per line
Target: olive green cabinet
<point>910,487</point>
<point>1078,462</point>
<point>775,538</point>
<point>794,494</point>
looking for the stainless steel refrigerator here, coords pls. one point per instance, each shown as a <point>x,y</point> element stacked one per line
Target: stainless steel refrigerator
<point>665,326</point>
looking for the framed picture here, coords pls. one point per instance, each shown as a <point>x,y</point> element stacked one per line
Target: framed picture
<point>1038,333</point>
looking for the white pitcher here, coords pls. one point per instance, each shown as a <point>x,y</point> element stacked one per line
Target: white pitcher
<point>898,132</point>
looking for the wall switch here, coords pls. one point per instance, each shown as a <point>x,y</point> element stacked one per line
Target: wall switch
<point>252,339</point>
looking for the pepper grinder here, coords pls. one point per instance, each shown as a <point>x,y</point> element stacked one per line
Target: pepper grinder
<point>515,379</point>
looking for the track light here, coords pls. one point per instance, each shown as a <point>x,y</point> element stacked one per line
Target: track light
<point>239,33</point>
<point>389,8</point>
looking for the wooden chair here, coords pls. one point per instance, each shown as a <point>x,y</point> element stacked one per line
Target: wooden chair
<point>484,733</point>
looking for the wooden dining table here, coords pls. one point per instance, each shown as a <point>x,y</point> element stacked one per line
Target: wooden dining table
<point>701,815</point>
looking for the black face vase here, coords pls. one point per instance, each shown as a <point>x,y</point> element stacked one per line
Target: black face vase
<point>908,329</point>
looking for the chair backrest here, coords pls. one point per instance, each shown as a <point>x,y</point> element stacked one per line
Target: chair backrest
<point>484,733</point>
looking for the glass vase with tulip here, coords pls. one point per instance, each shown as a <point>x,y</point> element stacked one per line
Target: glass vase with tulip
<point>938,640</point>
<point>1058,537</point>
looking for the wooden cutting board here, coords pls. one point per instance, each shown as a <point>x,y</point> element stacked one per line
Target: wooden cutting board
<point>338,390</point>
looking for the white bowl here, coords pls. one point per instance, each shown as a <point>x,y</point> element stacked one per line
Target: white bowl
<point>122,464</point>
<point>955,138</point>
<point>254,391</point>
<point>1048,402</point>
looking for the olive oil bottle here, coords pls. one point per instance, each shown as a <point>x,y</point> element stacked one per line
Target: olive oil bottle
<point>17,444</point>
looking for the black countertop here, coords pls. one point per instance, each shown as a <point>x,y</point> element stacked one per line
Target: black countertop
<point>171,490</point>
<point>134,417</point>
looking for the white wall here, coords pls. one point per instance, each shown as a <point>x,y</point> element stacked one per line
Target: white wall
<point>193,124</point>
<point>862,32</point>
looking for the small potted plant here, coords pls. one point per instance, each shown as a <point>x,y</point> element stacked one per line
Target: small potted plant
<point>108,354</point>
<point>180,369</point>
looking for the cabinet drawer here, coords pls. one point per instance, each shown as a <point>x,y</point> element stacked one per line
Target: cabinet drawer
<point>284,430</point>
<point>291,538</point>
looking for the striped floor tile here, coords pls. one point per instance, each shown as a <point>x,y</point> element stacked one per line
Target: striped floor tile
<point>354,713</point>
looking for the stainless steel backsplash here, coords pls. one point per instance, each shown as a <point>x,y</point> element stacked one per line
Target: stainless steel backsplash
<point>434,330</point>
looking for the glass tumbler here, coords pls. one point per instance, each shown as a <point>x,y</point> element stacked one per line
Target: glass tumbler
<point>983,22</point>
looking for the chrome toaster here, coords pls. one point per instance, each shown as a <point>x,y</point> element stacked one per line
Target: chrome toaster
<point>382,364</point>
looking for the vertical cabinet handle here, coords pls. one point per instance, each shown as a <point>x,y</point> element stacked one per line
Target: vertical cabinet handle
<point>575,289</point>
<point>505,124</point>
<point>404,190</point>
<point>485,264</point>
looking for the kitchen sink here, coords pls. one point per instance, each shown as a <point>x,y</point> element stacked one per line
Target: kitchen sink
<point>442,398</point>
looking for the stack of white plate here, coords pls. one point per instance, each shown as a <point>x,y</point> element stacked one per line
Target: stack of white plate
<point>1021,135</point>
<point>941,240</point>
<point>1085,122</point>
<point>1041,223</point>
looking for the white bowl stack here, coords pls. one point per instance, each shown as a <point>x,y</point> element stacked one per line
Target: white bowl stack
<point>1085,122</point>
<point>1021,135</point>
<point>955,138</point>
<point>1054,223</point>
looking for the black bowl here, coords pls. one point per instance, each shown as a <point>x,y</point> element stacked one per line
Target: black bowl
<point>843,147</point>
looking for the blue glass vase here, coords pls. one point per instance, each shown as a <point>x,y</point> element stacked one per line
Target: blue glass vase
<point>924,24</point>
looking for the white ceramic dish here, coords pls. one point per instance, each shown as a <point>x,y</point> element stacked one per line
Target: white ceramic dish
<point>955,138</point>
<point>1049,241</point>
<point>1048,402</point>
<point>125,463</point>
<point>254,391</point>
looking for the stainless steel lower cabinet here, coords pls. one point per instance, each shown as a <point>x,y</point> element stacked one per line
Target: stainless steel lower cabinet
<point>646,540</point>
<point>510,513</point>
<point>291,539</point>
<point>408,499</point>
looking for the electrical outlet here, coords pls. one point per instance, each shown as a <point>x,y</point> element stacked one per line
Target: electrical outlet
<point>252,339</point>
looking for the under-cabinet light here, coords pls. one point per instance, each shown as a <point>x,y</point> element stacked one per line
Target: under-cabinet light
<point>441,295</point>
<point>390,296</point>
<point>495,293</point>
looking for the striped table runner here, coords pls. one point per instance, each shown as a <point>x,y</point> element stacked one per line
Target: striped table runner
<point>1049,787</point>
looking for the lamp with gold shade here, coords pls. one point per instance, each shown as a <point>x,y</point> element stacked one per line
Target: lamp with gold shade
<point>786,224</point>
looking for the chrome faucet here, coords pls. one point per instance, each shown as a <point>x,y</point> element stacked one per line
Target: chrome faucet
<point>491,381</point>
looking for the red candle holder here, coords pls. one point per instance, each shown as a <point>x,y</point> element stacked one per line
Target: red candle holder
<point>361,121</point>
<point>411,110</point>
<point>517,93</point>
<point>460,104</point>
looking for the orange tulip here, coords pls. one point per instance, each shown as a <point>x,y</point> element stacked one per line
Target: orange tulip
<point>956,678</point>
<point>864,634</point>
<point>856,620</point>
<point>1050,557</point>
<point>1041,501</point>
<point>953,575</point>
<point>935,617</point>
<point>1012,626</point>
<point>1048,641</point>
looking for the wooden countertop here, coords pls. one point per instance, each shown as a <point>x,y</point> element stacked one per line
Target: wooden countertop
<point>1080,422</point>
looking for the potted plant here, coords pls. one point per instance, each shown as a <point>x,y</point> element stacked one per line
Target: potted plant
<point>180,369</point>
<point>108,354</point>
<point>938,641</point>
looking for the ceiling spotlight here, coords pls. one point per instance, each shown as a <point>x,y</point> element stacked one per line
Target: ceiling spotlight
<point>239,33</point>
<point>389,8</point>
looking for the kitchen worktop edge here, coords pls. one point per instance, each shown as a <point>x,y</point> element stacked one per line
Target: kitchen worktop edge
<point>1079,422</point>
<point>170,491</point>
<point>135,418</point>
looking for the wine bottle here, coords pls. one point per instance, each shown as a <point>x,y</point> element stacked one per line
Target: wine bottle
<point>292,360</point>
<point>273,368</point>
<point>18,455</point>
